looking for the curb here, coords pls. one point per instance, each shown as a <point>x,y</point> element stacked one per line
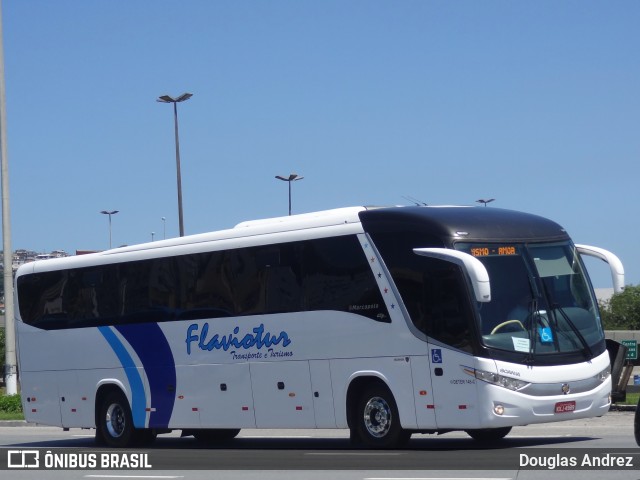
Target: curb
<point>623,408</point>
<point>16,423</point>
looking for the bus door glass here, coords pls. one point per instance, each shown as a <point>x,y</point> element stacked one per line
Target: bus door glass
<point>439,305</point>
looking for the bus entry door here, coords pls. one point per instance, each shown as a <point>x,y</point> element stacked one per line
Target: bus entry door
<point>454,391</point>
<point>423,392</point>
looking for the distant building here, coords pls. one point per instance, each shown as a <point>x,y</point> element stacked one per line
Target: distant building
<point>21,256</point>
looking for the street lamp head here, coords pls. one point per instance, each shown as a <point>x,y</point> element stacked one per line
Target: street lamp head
<point>170,99</point>
<point>291,178</point>
<point>485,201</point>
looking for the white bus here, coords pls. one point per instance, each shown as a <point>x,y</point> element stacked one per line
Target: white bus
<point>385,321</point>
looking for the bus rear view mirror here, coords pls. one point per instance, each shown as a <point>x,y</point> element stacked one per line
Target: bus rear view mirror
<point>617,270</point>
<point>475,269</point>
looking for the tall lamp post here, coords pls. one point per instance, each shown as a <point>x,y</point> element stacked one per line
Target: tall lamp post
<point>164,228</point>
<point>291,178</point>
<point>485,201</point>
<point>175,101</point>
<point>109,212</point>
<point>10,368</point>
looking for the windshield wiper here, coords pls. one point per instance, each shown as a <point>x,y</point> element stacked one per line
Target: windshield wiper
<point>533,321</point>
<point>586,348</point>
<point>555,306</point>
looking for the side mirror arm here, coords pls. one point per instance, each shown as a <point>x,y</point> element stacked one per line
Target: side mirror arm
<point>617,269</point>
<point>472,266</point>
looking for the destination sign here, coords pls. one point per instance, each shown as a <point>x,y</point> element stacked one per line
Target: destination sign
<point>493,250</point>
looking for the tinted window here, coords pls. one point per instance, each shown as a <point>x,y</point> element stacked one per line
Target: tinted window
<point>433,291</point>
<point>323,274</point>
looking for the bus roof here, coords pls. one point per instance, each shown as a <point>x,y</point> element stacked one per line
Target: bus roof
<point>314,219</point>
<point>465,223</point>
<point>447,222</point>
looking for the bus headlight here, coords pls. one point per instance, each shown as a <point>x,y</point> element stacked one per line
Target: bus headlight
<point>500,380</point>
<point>603,375</point>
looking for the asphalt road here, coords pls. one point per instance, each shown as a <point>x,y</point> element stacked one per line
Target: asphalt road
<point>311,454</point>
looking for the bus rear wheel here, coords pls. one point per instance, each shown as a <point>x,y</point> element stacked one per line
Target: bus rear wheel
<point>114,423</point>
<point>376,422</point>
<point>489,434</point>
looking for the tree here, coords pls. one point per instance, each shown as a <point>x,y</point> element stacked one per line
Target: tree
<point>622,310</point>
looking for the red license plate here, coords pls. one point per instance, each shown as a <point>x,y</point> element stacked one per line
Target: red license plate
<point>564,407</point>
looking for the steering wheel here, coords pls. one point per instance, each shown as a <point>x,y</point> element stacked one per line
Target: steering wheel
<point>508,322</point>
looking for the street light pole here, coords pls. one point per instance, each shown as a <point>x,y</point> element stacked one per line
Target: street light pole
<point>164,228</point>
<point>109,212</point>
<point>291,178</point>
<point>10,368</point>
<point>175,101</point>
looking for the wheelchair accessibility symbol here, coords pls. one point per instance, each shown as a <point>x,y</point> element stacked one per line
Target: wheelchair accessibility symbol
<point>546,336</point>
<point>436,355</point>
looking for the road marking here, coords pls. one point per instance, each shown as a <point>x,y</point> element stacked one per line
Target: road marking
<point>438,478</point>
<point>133,476</point>
<point>356,454</point>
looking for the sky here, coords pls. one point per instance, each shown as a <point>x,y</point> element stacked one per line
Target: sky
<point>535,104</point>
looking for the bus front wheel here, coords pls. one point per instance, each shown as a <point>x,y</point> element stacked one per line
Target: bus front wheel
<point>377,422</point>
<point>114,424</point>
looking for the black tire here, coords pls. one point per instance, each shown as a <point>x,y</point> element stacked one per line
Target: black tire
<point>114,423</point>
<point>376,422</point>
<point>215,435</point>
<point>489,434</point>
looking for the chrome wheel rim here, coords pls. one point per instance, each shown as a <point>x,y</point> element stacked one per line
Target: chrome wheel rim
<point>377,417</point>
<point>115,420</point>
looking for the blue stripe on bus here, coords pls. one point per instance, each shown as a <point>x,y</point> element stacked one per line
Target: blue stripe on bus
<point>138,401</point>
<point>153,350</point>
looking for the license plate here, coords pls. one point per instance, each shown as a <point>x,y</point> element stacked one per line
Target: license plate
<point>564,407</point>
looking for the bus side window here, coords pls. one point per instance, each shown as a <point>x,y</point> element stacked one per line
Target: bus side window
<point>205,290</point>
<point>283,289</point>
<point>40,299</point>
<point>246,281</point>
<point>337,276</point>
<point>450,313</point>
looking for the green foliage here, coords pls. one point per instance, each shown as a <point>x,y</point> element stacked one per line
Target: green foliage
<point>622,310</point>
<point>2,351</point>
<point>10,404</point>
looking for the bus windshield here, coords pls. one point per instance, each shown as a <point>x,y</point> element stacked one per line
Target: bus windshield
<point>541,302</point>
